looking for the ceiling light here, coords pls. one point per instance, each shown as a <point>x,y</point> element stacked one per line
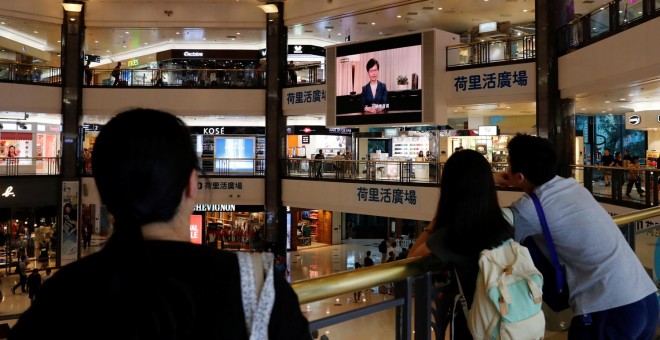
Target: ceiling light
<point>232,39</point>
<point>178,33</point>
<point>204,39</point>
<point>36,32</point>
<point>439,8</point>
<point>238,33</point>
<point>96,41</point>
<point>338,33</point>
<point>72,7</point>
<point>2,22</point>
<point>524,10</point>
<point>583,109</point>
<point>373,23</point>
<point>146,43</point>
<point>607,102</point>
<point>124,46</point>
<point>398,16</point>
<point>59,41</point>
<point>126,32</point>
<point>270,8</point>
<point>108,51</point>
<point>72,19</point>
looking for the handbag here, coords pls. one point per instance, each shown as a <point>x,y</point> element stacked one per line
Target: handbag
<point>257,292</point>
<point>555,286</point>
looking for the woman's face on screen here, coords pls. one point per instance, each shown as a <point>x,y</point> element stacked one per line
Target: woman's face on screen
<point>373,73</point>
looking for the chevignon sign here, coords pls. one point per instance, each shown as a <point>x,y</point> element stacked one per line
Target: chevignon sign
<point>635,119</point>
<point>193,54</point>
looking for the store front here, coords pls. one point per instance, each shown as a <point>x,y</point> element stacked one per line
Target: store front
<point>309,227</point>
<point>228,226</point>
<point>28,221</point>
<point>304,142</point>
<point>230,150</point>
<point>29,148</point>
<point>487,141</point>
<point>217,68</point>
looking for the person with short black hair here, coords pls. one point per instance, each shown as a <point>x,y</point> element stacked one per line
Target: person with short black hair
<point>150,281</point>
<point>610,293</point>
<point>374,93</point>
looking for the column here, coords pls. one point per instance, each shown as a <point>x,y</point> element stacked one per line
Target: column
<point>73,38</point>
<point>276,54</point>
<point>555,118</point>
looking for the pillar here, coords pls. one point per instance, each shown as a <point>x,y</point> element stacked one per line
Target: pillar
<point>276,55</point>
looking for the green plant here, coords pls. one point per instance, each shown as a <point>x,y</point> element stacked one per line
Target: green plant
<point>402,80</point>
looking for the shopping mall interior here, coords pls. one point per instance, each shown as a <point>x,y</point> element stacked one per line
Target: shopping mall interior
<point>294,158</point>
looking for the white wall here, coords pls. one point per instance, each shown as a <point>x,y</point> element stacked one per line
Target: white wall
<point>629,56</point>
<point>189,102</point>
<point>31,98</point>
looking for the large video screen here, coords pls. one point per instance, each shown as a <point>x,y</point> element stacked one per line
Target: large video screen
<point>379,82</point>
<point>234,154</point>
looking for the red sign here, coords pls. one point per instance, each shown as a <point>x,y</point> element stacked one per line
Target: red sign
<point>196,229</point>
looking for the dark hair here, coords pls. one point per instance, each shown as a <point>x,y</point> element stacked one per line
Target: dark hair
<point>468,205</point>
<point>534,157</point>
<point>371,64</point>
<point>368,252</point>
<point>141,185</point>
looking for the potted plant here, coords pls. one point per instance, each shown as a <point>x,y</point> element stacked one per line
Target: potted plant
<point>402,82</point>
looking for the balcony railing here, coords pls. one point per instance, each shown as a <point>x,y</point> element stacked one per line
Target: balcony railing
<point>410,275</point>
<point>520,48</point>
<point>308,74</point>
<point>605,21</point>
<point>372,170</point>
<point>24,166</point>
<point>30,73</point>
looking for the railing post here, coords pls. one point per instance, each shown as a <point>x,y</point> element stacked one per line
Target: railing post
<point>628,231</point>
<point>588,179</point>
<point>423,294</point>
<point>648,187</point>
<point>403,313</point>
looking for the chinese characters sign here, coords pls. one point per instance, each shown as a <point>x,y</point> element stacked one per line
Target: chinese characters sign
<point>213,185</point>
<point>481,81</point>
<point>387,195</point>
<point>305,96</point>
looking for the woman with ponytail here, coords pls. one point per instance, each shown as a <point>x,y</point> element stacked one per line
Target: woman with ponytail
<point>150,281</point>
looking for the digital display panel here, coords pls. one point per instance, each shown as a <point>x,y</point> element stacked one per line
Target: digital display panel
<point>234,154</point>
<point>379,82</point>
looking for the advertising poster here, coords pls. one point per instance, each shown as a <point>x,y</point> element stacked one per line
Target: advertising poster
<point>69,225</point>
<point>196,229</point>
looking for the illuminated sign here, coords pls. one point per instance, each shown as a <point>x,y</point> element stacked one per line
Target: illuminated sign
<point>196,229</point>
<point>215,207</point>
<point>214,131</point>
<point>193,54</point>
<point>488,27</point>
<point>133,62</point>
<point>9,192</point>
<point>489,130</point>
<point>635,119</point>
<point>297,49</point>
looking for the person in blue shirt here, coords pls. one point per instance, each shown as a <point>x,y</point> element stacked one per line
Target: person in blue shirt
<point>374,93</point>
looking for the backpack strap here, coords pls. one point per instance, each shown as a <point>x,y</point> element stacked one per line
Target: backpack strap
<point>459,298</point>
<point>257,293</point>
<point>548,241</point>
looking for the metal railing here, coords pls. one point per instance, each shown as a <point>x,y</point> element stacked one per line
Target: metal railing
<point>236,167</point>
<point>612,184</point>
<point>308,74</point>
<point>371,170</point>
<point>22,166</point>
<point>492,51</point>
<point>30,73</point>
<point>605,21</point>
<point>414,273</point>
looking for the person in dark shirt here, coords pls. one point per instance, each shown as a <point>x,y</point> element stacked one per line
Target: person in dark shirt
<point>368,261</point>
<point>607,160</point>
<point>150,281</point>
<point>34,284</point>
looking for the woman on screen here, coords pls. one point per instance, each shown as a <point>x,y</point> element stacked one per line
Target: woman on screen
<point>374,94</point>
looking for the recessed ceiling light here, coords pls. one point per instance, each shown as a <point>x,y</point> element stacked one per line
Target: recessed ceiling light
<point>126,32</point>
<point>146,43</point>
<point>508,107</point>
<point>439,8</point>
<point>603,111</point>
<point>233,39</point>
<point>398,16</point>
<point>373,23</point>
<point>124,46</point>
<point>583,109</point>
<point>329,29</point>
<point>338,33</point>
<point>622,99</point>
<point>2,22</point>
<point>108,51</point>
<point>524,10</point>
<point>204,39</point>
<point>59,41</point>
<point>178,33</point>
<point>238,33</point>
<point>96,41</point>
<point>607,102</point>
<point>36,32</point>
<point>73,19</point>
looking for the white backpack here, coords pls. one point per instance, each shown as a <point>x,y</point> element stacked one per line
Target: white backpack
<point>508,297</point>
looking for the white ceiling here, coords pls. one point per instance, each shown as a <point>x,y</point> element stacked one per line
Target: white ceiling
<point>316,22</point>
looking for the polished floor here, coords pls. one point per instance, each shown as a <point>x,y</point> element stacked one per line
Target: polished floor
<point>319,260</point>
